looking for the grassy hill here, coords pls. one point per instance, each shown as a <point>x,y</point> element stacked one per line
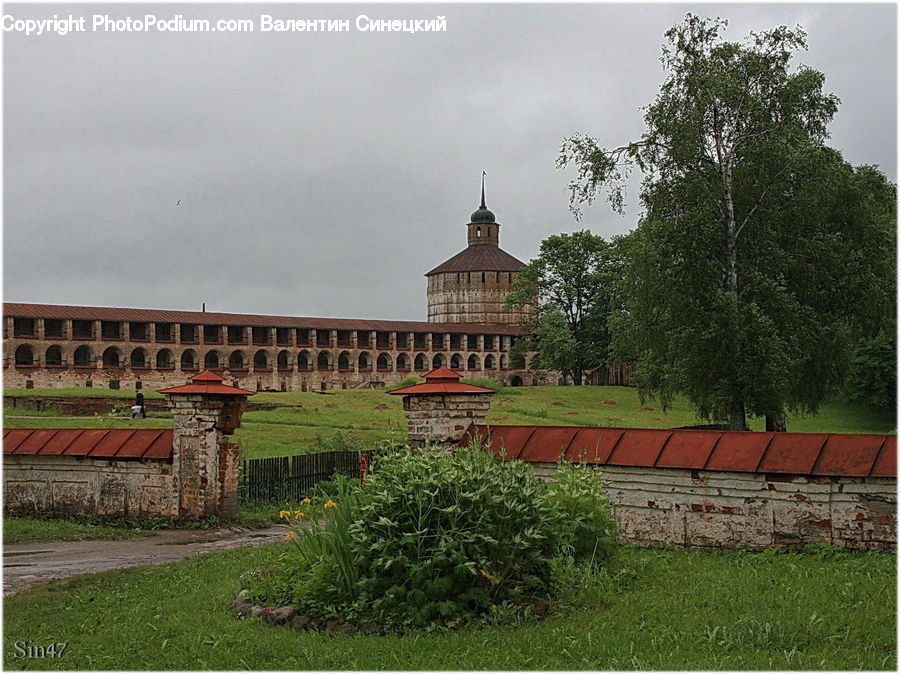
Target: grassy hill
<point>307,422</point>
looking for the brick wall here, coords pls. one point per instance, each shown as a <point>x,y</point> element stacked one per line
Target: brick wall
<point>662,507</point>
<point>443,418</point>
<point>85,486</point>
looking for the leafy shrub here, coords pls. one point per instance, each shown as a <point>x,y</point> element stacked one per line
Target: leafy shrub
<point>587,527</point>
<point>436,539</point>
<point>445,536</point>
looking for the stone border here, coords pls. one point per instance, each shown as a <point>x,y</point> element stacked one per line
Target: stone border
<point>289,616</point>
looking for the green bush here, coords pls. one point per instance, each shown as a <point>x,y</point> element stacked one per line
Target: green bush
<point>436,539</point>
<point>587,527</point>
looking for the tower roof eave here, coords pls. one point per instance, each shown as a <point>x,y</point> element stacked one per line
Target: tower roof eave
<point>479,258</point>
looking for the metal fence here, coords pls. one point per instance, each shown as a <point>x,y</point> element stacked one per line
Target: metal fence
<point>288,478</point>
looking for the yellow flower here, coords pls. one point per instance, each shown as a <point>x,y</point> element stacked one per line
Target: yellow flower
<point>330,504</point>
<point>298,514</point>
<point>305,501</point>
<point>291,535</point>
<point>284,513</point>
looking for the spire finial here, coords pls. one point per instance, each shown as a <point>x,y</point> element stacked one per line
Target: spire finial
<point>483,174</point>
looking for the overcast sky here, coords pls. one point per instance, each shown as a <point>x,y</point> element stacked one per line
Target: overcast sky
<point>324,174</point>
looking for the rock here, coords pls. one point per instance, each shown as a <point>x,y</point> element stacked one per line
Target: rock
<point>283,614</point>
<point>241,605</point>
<point>346,629</point>
<point>301,622</point>
<point>331,626</point>
<point>369,628</point>
<point>541,606</point>
<point>257,611</point>
<point>268,616</point>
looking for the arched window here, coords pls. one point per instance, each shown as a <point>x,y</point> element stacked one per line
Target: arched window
<point>138,358</point>
<point>25,355</point>
<point>324,360</point>
<point>365,362</point>
<point>420,361</point>
<point>402,362</point>
<point>489,362</point>
<point>455,362</point>
<point>483,277</point>
<point>212,361</point>
<point>236,361</point>
<point>164,360</point>
<point>303,361</point>
<point>261,361</point>
<point>478,232</point>
<point>438,361</point>
<point>83,357</point>
<point>344,361</point>
<point>503,362</point>
<point>112,357</point>
<point>474,363</point>
<point>384,362</point>
<point>53,356</point>
<point>284,360</point>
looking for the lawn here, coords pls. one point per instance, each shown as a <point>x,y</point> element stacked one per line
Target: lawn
<point>663,610</point>
<point>369,417</point>
<point>32,530</point>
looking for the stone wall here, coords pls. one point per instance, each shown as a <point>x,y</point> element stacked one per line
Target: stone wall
<point>443,418</point>
<point>34,484</point>
<point>471,297</point>
<point>663,507</point>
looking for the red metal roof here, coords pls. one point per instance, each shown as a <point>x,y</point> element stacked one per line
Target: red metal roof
<point>440,381</point>
<point>98,443</point>
<point>21,310</point>
<point>483,257</point>
<point>819,454</point>
<point>207,383</point>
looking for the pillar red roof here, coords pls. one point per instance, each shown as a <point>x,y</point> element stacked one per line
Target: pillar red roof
<point>207,383</point>
<point>441,381</point>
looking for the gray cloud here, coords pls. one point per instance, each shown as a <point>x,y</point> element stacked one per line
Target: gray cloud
<point>323,174</point>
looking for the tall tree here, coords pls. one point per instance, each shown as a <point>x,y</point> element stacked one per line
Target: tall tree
<point>732,292</point>
<point>568,290</point>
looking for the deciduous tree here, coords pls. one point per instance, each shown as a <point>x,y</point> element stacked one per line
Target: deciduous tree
<point>740,292</point>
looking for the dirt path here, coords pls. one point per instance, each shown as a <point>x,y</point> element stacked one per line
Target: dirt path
<point>28,564</point>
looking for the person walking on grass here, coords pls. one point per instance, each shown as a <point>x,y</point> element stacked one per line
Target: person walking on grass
<point>138,406</point>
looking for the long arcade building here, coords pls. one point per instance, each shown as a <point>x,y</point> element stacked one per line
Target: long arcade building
<point>50,346</point>
<point>468,329</point>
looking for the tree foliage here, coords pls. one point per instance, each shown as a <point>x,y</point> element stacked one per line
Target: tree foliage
<point>761,252</point>
<point>568,291</point>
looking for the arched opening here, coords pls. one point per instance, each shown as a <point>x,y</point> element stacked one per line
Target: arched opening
<point>478,232</point>
<point>236,361</point>
<point>456,362</point>
<point>344,361</point>
<point>438,361</point>
<point>284,360</point>
<point>323,362</point>
<point>164,360</point>
<point>384,362</point>
<point>517,361</point>
<point>503,362</point>
<point>515,381</point>
<point>25,355</point>
<point>261,361</point>
<point>402,362</point>
<point>212,361</point>
<point>474,363</point>
<point>365,361</point>
<point>112,357</point>
<point>139,358</point>
<point>489,362</point>
<point>53,357</point>
<point>82,357</point>
<point>420,361</point>
<point>303,361</point>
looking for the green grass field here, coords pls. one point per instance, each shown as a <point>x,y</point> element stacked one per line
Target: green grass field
<point>662,610</point>
<point>369,417</point>
<point>33,530</point>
